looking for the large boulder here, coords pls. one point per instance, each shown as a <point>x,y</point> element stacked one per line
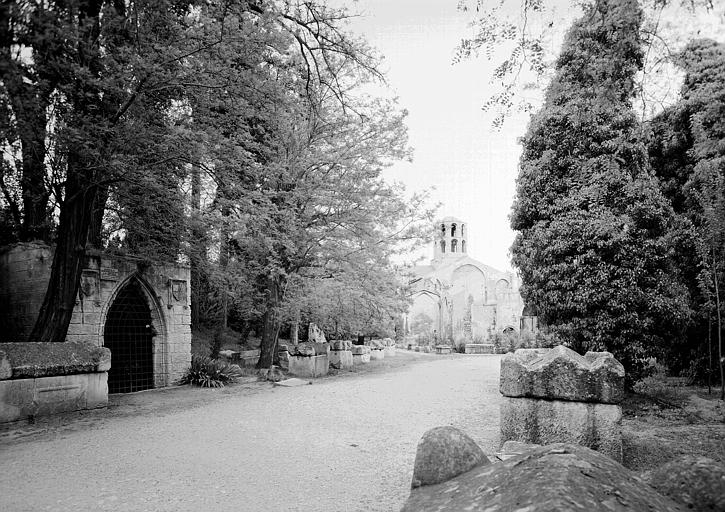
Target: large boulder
<point>550,478</point>
<point>698,483</point>
<point>562,374</point>
<point>443,453</point>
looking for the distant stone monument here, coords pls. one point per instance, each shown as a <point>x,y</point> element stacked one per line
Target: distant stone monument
<point>556,395</point>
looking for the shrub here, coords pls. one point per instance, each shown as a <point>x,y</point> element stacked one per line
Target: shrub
<point>210,373</point>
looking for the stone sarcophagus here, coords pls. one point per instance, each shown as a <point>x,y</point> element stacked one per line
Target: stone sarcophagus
<point>558,396</point>
<point>309,359</point>
<point>39,379</point>
<point>341,354</point>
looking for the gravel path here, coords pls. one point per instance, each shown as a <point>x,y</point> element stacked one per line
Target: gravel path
<point>342,444</point>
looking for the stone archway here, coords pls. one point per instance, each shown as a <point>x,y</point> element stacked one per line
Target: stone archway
<point>129,333</point>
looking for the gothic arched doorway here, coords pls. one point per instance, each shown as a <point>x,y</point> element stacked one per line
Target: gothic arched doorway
<point>128,334</point>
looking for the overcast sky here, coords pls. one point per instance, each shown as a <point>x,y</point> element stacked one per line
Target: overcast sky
<point>472,167</point>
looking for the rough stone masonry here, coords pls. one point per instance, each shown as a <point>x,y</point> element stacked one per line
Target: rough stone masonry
<point>558,396</point>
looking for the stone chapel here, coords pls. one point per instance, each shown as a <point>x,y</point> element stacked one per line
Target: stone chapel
<point>459,299</point>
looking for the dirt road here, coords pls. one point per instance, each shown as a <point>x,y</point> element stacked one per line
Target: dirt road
<point>341,444</point>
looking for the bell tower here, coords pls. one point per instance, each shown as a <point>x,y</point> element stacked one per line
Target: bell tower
<point>451,239</point>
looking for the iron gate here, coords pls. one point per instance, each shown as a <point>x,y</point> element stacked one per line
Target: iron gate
<point>128,334</point>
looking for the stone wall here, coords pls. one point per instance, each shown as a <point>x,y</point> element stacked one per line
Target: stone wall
<point>24,274</point>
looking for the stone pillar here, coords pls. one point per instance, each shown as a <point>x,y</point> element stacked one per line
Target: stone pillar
<point>558,396</point>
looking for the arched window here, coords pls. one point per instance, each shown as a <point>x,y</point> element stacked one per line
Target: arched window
<point>453,230</point>
<point>463,242</point>
<point>463,230</point>
<point>443,246</point>
<point>454,245</point>
<point>443,229</point>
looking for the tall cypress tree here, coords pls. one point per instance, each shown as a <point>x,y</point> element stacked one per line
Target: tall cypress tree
<point>592,223</point>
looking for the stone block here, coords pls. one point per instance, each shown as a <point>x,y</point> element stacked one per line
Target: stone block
<point>480,348</point>
<point>309,366</point>
<point>390,351</point>
<point>425,349</point>
<point>363,358</point>
<point>340,345</point>
<point>375,344</point>
<point>309,349</point>
<point>530,420</point>
<point>358,350</point>
<point>377,353</point>
<point>341,359</point>
<point>443,349</point>
<point>42,396</point>
<point>48,359</point>
<point>562,374</point>
<point>284,359</point>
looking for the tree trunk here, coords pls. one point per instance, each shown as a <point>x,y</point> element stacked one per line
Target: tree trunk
<point>198,254</point>
<point>59,301</point>
<point>719,328</point>
<point>272,324</point>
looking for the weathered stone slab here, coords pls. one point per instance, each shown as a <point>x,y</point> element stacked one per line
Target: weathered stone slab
<point>42,396</point>
<point>363,358</point>
<point>309,366</point>
<point>480,348</point>
<point>340,345</point>
<point>284,359</point>
<point>309,349</point>
<point>377,353</point>
<point>558,477</point>
<point>341,359</point>
<point>359,350</point>
<point>562,374</point>
<point>375,344</point>
<point>697,483</point>
<point>530,420</point>
<point>443,453</point>
<point>443,349</point>
<point>49,359</point>
<point>292,383</point>
<point>514,448</point>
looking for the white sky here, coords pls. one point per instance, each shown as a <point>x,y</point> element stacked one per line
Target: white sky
<point>472,167</point>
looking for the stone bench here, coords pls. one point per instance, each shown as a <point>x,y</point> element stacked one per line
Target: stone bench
<point>556,395</point>
<point>480,348</point>
<point>443,349</point>
<point>309,359</point>
<point>38,379</point>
